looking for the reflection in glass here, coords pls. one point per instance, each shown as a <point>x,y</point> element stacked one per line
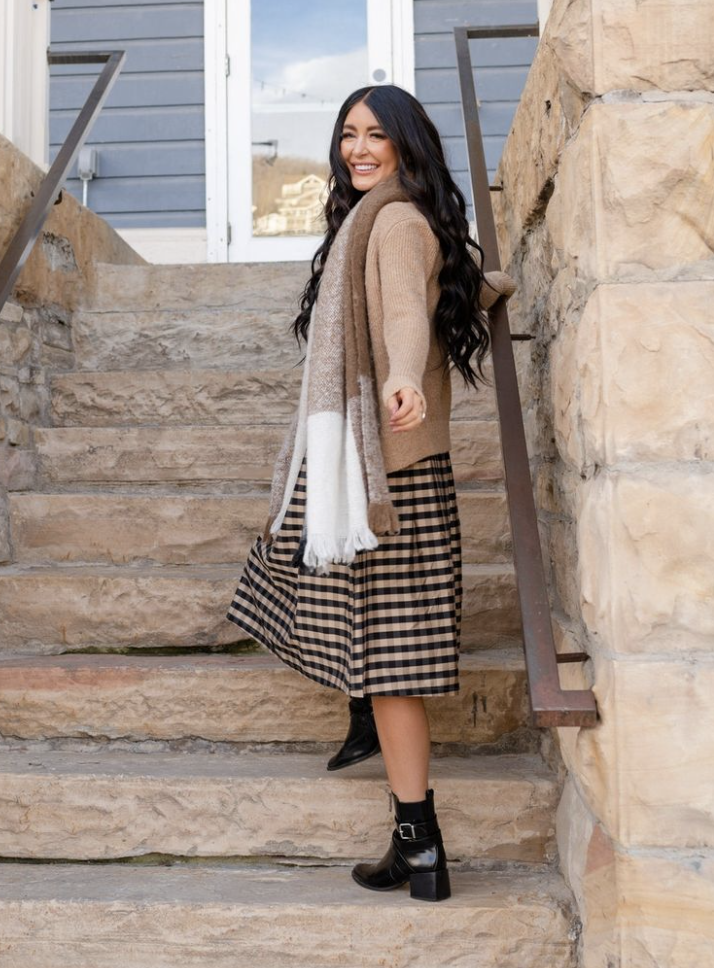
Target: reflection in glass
<point>306,58</point>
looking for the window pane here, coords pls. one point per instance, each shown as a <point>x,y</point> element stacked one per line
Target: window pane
<point>306,58</point>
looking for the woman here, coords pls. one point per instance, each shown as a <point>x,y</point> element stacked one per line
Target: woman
<point>356,582</point>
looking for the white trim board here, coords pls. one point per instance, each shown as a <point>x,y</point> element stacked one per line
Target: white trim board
<point>216,132</point>
<point>24,77</point>
<point>543,11</point>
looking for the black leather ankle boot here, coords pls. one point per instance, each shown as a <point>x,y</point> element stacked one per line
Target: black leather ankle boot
<point>362,740</point>
<point>416,854</point>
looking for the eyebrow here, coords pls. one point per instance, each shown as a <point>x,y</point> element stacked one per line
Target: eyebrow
<point>372,127</point>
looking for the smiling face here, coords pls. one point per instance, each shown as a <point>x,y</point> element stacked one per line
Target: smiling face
<point>366,150</point>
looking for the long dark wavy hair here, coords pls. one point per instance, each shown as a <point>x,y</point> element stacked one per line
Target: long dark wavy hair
<point>461,325</point>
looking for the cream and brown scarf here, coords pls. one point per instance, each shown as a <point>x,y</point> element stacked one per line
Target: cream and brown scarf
<point>336,426</point>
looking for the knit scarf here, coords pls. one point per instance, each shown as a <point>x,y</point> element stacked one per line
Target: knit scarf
<point>336,425</point>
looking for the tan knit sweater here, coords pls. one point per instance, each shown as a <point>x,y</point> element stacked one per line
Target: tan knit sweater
<point>403,264</point>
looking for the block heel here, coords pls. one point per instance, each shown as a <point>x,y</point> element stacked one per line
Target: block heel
<point>430,886</point>
<point>416,855</point>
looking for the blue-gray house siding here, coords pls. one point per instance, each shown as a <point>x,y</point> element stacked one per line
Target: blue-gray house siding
<point>501,68</point>
<point>150,133</point>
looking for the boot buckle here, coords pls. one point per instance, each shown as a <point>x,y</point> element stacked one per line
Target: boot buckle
<point>411,836</point>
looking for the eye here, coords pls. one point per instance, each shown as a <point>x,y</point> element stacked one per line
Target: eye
<point>378,135</point>
<point>346,134</point>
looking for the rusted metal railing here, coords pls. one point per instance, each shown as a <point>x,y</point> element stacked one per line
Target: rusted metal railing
<point>29,229</point>
<point>550,704</point>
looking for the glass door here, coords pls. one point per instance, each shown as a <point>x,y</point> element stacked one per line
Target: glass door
<point>291,63</point>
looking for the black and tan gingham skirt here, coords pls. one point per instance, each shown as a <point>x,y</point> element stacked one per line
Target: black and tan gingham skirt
<point>389,623</point>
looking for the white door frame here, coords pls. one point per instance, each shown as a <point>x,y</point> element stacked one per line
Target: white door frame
<point>24,77</point>
<point>225,33</point>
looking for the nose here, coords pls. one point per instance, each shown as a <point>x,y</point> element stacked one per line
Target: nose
<point>360,145</point>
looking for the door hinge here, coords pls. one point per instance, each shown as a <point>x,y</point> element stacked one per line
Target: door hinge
<point>228,65</point>
<point>229,233</point>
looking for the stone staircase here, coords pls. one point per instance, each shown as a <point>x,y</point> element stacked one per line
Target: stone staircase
<point>164,800</point>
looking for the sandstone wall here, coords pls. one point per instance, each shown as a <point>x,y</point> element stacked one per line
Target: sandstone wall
<point>607,222</point>
<point>35,324</point>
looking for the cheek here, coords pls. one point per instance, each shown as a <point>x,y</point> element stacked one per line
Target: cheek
<point>393,158</point>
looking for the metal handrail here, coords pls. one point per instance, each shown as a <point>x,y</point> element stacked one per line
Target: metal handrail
<point>550,704</point>
<point>31,225</point>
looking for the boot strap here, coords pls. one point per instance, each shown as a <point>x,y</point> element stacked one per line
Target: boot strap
<point>416,831</point>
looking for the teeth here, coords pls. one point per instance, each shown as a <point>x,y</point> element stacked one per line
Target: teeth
<point>365,167</point>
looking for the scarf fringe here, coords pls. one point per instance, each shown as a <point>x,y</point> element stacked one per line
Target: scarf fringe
<point>324,549</point>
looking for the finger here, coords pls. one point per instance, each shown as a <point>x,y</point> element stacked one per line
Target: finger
<point>410,419</point>
<point>404,400</point>
<point>409,402</point>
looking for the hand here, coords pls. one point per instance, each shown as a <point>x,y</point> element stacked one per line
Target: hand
<point>405,407</point>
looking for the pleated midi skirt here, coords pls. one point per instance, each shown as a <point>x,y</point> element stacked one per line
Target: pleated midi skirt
<point>387,624</point>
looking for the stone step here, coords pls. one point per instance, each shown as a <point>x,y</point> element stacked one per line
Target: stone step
<point>201,336</point>
<point>196,915</point>
<point>64,608</point>
<point>189,454</point>
<point>101,803</point>
<point>120,528</point>
<point>117,398</point>
<point>112,398</point>
<point>234,698</point>
<point>261,285</point>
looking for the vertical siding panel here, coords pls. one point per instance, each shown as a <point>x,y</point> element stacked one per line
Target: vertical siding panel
<point>150,134</point>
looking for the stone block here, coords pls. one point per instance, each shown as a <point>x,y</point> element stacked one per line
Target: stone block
<point>641,908</point>
<point>561,548</point>
<point>18,469</point>
<point>155,454</point>
<point>491,610</point>
<point>630,45</point>
<point>588,52</point>
<point>242,915</point>
<point>194,529</point>
<point>646,543</point>
<point>10,394</point>
<point>251,285</point>
<point>50,610</point>
<point>19,433</point>
<point>75,805</point>
<point>53,610</point>
<point>203,336</point>
<point>178,397</point>
<point>634,376</point>
<point>588,861</point>
<point>11,312</point>
<point>643,181</point>
<point>548,114</point>
<point>15,344</point>
<point>476,451</point>
<point>251,698</point>
<point>645,769</point>
<point>33,401</point>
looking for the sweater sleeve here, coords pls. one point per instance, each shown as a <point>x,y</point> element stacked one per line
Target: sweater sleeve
<point>406,257</point>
